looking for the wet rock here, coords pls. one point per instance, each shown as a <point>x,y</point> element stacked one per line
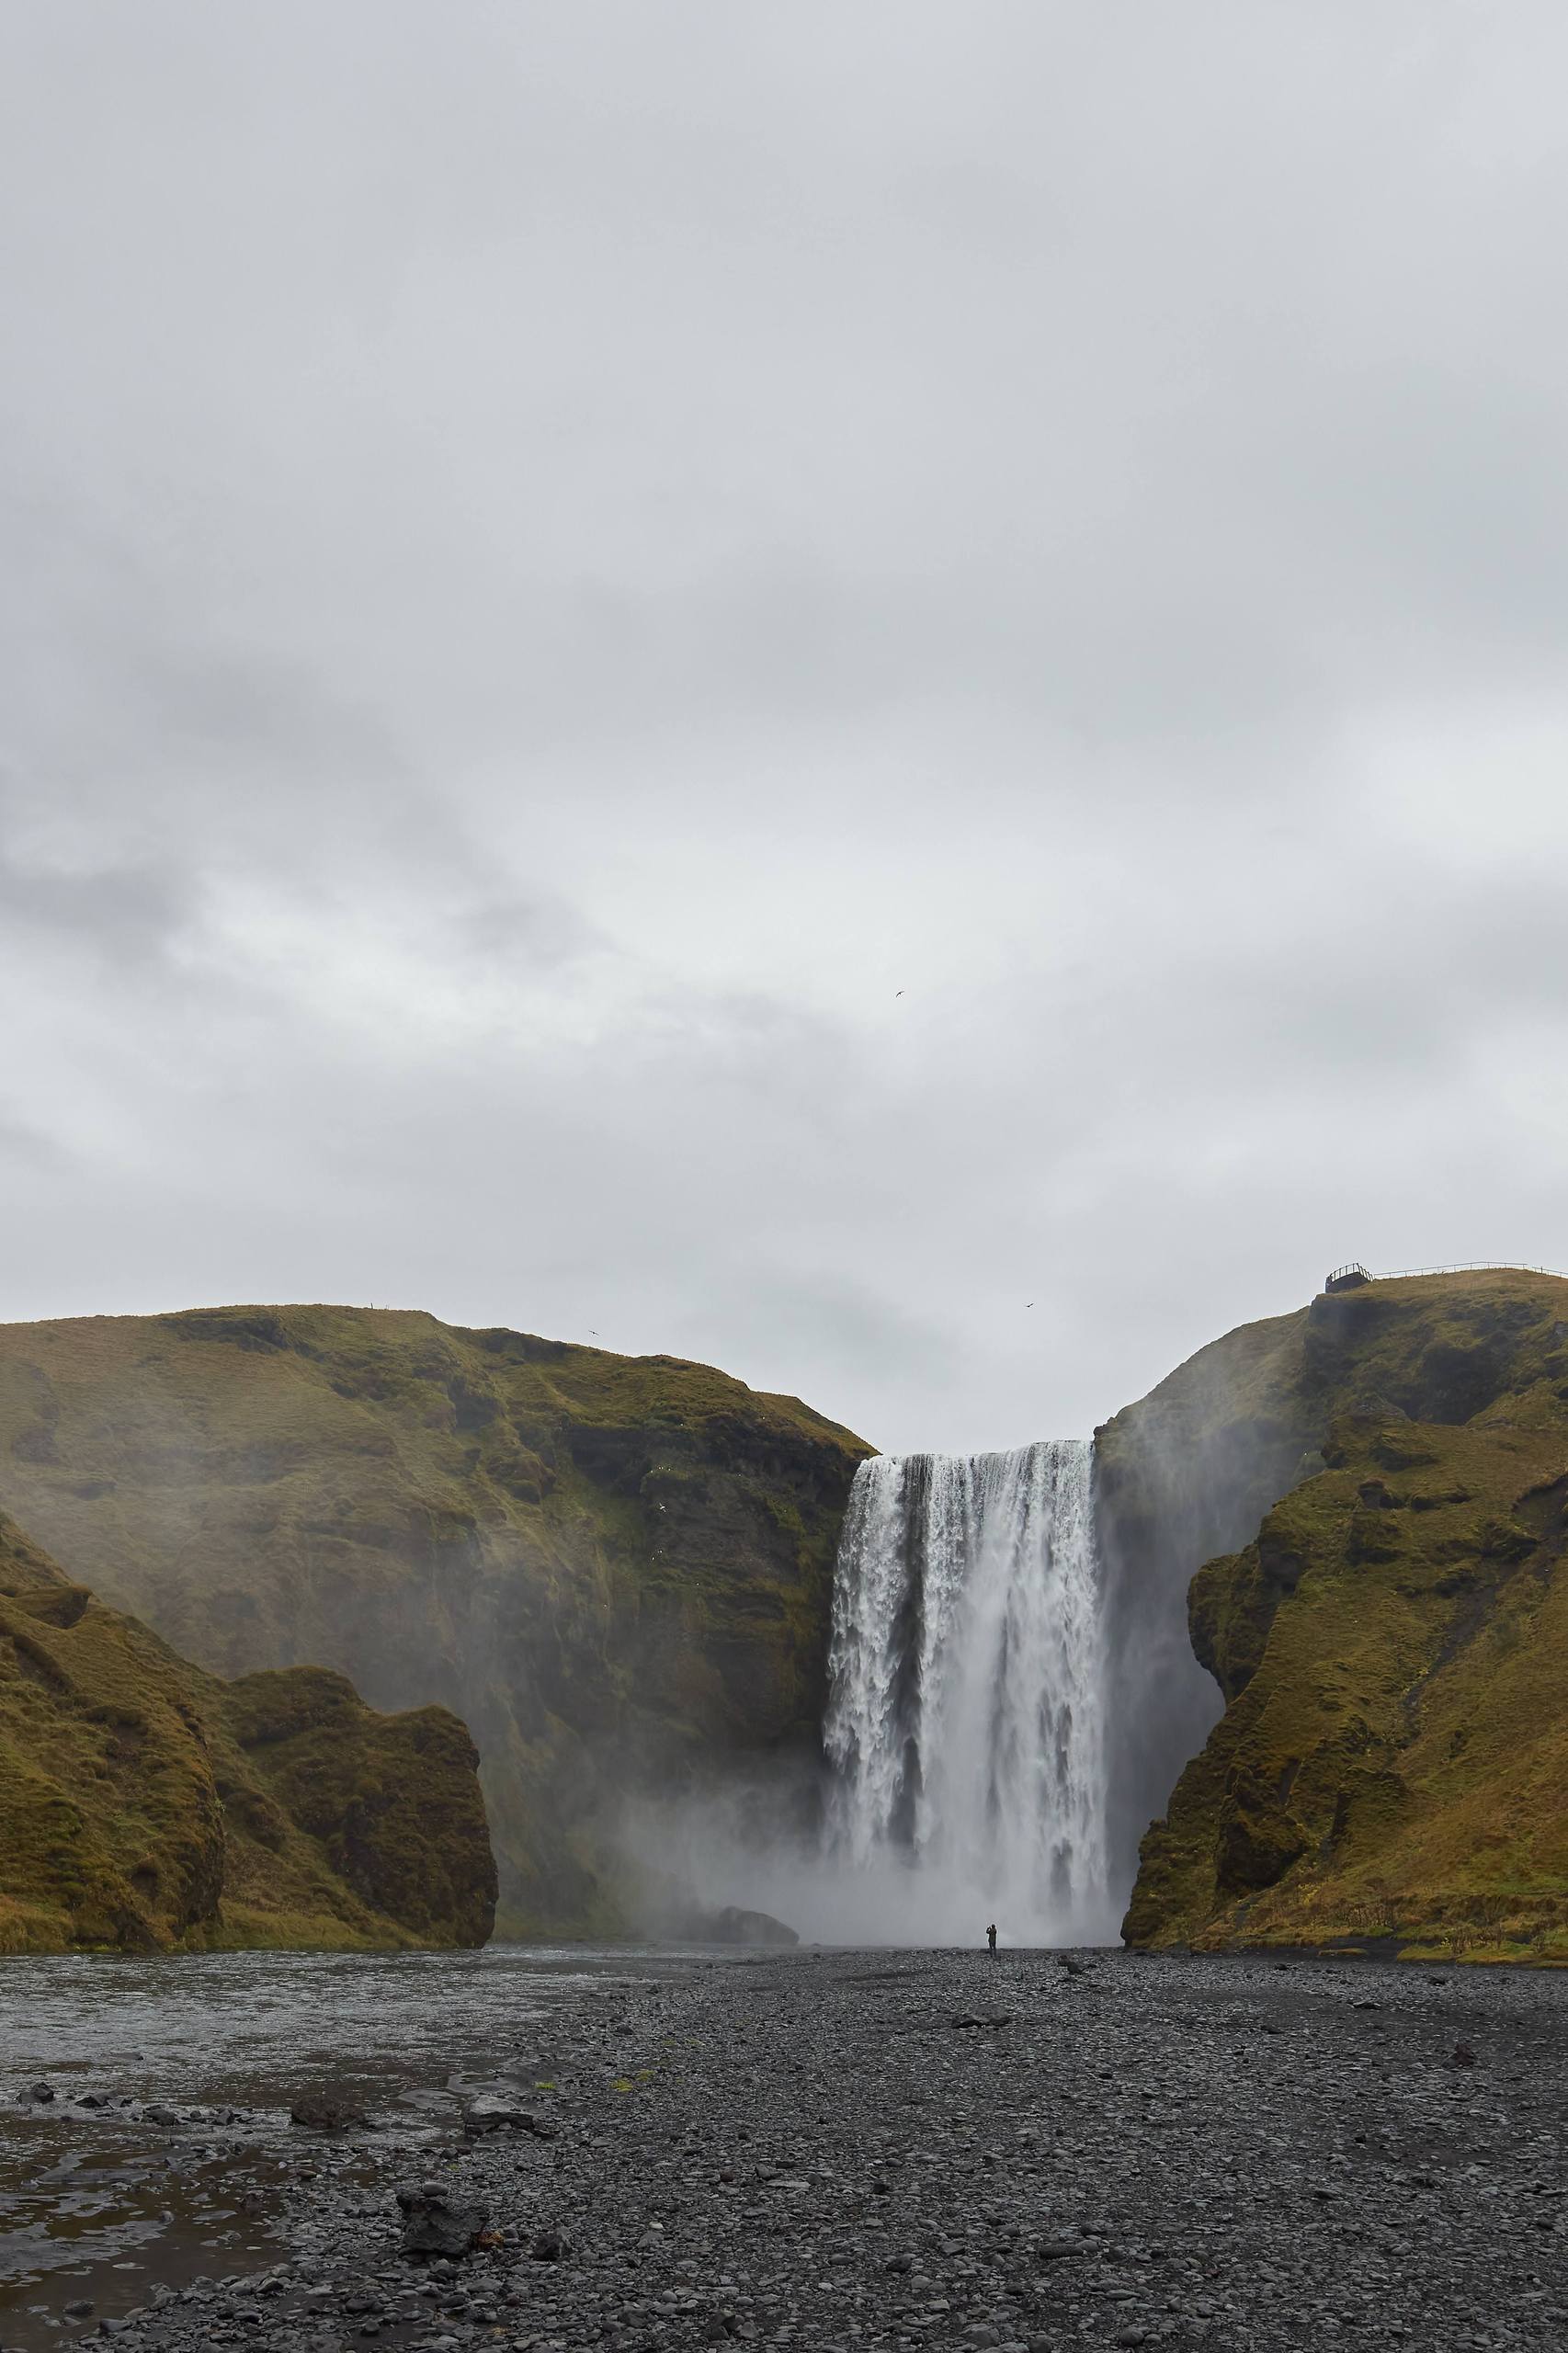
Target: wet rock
<point>437,2224</point>
<point>44,2092</point>
<point>926,2182</point>
<point>492,2112</point>
<point>327,2112</point>
<point>733,1925</point>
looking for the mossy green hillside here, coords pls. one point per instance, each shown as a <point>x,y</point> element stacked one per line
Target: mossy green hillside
<point>145,1805</point>
<point>1392,1644</point>
<point>614,1569</point>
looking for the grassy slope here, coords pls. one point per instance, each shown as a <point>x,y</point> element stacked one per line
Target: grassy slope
<point>145,1805</point>
<point>1393,1762</point>
<point>608,1566</point>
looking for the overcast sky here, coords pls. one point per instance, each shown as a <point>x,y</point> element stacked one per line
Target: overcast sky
<point>555,559</point>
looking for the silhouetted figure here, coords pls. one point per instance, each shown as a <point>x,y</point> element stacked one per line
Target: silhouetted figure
<point>991,1939</point>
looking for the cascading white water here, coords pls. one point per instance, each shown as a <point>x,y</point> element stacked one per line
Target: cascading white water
<point>965,1721</point>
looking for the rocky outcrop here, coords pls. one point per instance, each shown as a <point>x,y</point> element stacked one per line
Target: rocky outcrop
<point>616,1570</point>
<point>1391,1643</point>
<point>147,1805</point>
<point>392,1802</point>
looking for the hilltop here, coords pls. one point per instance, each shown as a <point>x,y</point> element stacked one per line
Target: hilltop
<point>148,1805</point>
<point>1390,1638</point>
<point>614,1569</point>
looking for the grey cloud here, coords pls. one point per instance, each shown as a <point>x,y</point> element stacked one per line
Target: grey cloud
<point>120,915</point>
<point>21,1144</point>
<point>556,559</point>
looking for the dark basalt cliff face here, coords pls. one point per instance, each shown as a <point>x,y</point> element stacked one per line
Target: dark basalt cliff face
<point>616,1570</point>
<point>147,1805</point>
<point>1391,1643</point>
<point>1187,1473</point>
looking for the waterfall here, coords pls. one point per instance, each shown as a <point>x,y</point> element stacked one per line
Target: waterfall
<point>965,1720</point>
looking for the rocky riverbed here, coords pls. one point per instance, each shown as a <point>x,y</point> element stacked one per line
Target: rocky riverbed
<point>920,2150</point>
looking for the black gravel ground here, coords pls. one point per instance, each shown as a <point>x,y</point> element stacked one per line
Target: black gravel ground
<point>936,2150</point>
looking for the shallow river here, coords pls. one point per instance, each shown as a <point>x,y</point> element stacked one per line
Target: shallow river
<point>96,2204</point>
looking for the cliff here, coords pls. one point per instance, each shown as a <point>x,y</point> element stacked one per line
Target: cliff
<point>1391,1643</point>
<point>617,1570</point>
<point>147,1805</point>
<point>1184,1474</point>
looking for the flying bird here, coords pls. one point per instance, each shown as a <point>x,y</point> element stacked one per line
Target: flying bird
<point>898,992</point>
<point>1028,1302</point>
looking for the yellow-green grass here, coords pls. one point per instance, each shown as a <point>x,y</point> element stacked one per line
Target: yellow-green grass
<point>1392,1764</point>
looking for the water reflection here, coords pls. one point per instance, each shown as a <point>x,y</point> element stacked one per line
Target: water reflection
<point>165,2143</point>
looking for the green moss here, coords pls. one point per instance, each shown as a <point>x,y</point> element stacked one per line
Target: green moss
<point>393,1801</point>
<point>1392,1761</point>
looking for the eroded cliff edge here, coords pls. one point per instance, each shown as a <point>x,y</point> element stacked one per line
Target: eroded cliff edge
<point>616,1570</point>
<point>147,1805</point>
<point>1390,1766</point>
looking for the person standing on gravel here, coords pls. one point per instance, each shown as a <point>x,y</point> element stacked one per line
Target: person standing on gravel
<point>991,1939</point>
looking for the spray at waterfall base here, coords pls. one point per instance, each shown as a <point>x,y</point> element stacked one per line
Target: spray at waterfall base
<point>965,1731</point>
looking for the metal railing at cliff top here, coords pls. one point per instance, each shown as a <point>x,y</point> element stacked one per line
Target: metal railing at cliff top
<point>1465,1266</point>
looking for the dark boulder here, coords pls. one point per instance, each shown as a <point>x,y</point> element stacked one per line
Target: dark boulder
<point>493,2112</point>
<point>326,2113</point>
<point>735,1927</point>
<point>435,2225</point>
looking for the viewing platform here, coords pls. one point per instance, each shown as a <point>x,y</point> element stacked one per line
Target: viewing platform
<point>1352,1276</point>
